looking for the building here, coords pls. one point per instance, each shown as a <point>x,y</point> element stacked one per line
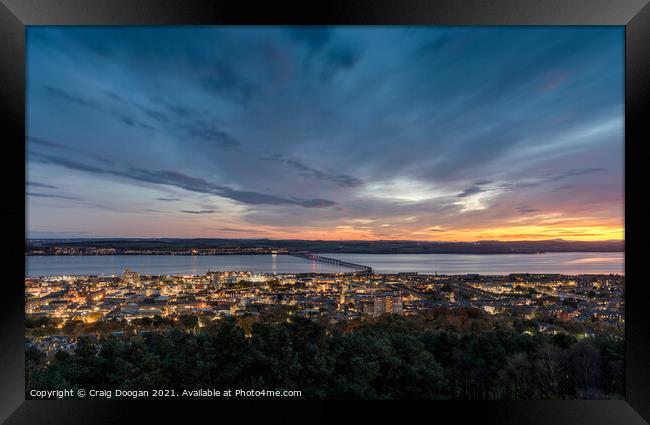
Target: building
<point>379,306</point>
<point>131,278</point>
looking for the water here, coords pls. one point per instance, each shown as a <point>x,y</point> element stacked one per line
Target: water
<point>495,264</point>
<point>565,263</point>
<point>171,264</point>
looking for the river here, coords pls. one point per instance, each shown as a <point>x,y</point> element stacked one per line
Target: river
<point>564,263</point>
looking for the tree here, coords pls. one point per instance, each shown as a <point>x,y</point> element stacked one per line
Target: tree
<point>434,355</point>
<point>585,365</point>
<point>190,322</point>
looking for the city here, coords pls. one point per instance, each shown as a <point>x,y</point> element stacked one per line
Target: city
<point>77,305</point>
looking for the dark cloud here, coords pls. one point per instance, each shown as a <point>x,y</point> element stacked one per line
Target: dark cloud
<point>114,96</point>
<point>179,110</point>
<point>200,130</point>
<point>313,37</point>
<point>482,182</point>
<point>323,58</point>
<point>154,114</point>
<point>168,199</point>
<point>189,183</point>
<point>199,185</point>
<point>42,185</point>
<point>339,59</point>
<point>60,94</point>
<point>56,145</point>
<point>147,127</point>
<point>221,79</point>
<point>341,180</point>
<point>238,230</point>
<point>211,134</point>
<point>472,190</point>
<point>317,203</point>
<point>520,185</point>
<point>64,162</point>
<point>551,178</point>
<point>52,195</point>
<point>173,108</point>
<point>157,115</point>
<point>97,106</point>
<point>198,211</point>
<point>77,200</point>
<point>124,118</point>
<point>526,210</point>
<point>103,207</point>
<point>573,173</point>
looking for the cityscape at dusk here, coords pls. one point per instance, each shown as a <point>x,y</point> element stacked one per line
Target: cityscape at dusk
<point>401,133</point>
<point>325,213</point>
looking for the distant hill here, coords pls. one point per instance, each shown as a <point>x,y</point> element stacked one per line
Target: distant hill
<point>356,247</point>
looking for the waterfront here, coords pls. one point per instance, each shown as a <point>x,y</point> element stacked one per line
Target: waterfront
<point>564,263</point>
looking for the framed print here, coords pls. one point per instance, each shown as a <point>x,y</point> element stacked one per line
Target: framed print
<point>226,205</point>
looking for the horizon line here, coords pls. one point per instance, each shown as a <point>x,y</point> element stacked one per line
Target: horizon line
<point>317,240</point>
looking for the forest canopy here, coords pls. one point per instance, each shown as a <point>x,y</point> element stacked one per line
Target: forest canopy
<point>455,355</point>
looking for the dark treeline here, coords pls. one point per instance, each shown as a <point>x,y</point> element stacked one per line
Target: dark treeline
<point>387,358</point>
<point>356,247</point>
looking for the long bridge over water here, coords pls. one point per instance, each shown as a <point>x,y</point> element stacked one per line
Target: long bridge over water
<point>333,261</point>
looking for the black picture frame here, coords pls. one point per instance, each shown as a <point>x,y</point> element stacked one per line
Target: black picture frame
<point>15,15</point>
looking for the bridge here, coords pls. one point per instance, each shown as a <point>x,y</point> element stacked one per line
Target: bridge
<point>333,261</point>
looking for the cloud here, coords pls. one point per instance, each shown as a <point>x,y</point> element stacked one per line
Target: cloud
<point>222,80</point>
<point>60,94</point>
<point>189,183</point>
<point>338,59</point>
<point>436,229</point>
<point>198,211</point>
<point>173,108</point>
<point>97,106</point>
<point>52,195</point>
<point>48,234</point>
<point>317,203</point>
<point>313,37</point>
<point>526,210</point>
<point>197,129</point>
<point>573,173</point>
<point>56,145</point>
<point>168,199</point>
<point>64,162</point>
<point>472,190</point>
<point>341,180</point>
<point>209,133</point>
<point>42,185</point>
<point>238,230</point>
<point>323,58</point>
<point>195,184</point>
<point>550,178</point>
<point>157,115</point>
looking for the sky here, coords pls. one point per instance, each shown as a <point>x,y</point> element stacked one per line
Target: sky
<point>350,133</point>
